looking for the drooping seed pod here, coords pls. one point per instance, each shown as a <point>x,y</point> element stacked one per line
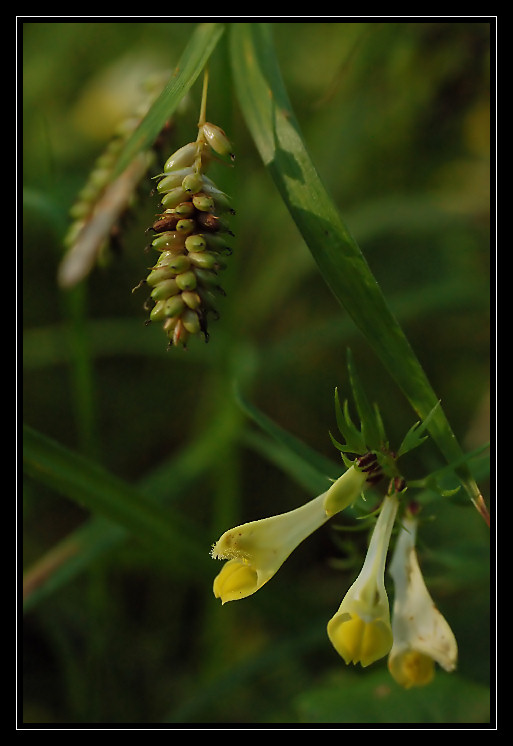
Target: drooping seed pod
<point>191,236</point>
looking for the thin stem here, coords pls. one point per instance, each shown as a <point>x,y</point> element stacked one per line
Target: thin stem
<point>203,109</point>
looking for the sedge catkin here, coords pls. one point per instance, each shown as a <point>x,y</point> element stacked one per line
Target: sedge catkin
<point>190,236</point>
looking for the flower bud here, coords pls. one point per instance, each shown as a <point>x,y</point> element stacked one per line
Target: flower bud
<point>174,306</point>
<point>172,180</point>
<point>195,243</point>
<point>192,183</point>
<point>192,300</point>
<point>159,274</point>
<point>184,210</point>
<point>185,226</point>
<point>184,156</point>
<point>165,289</point>
<point>217,139</point>
<point>168,240</point>
<point>203,260</point>
<point>158,311</point>
<point>174,197</point>
<point>186,280</point>
<point>202,202</point>
<point>191,321</point>
<point>179,263</point>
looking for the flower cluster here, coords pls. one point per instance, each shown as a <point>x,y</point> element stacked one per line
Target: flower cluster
<point>361,631</point>
<point>190,236</point>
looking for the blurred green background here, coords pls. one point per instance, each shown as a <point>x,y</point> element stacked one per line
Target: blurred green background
<point>396,117</point>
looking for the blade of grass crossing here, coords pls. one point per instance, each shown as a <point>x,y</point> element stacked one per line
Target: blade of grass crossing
<point>271,121</point>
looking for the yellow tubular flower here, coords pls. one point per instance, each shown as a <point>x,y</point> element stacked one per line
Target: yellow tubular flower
<point>421,634</point>
<point>360,631</point>
<point>256,550</point>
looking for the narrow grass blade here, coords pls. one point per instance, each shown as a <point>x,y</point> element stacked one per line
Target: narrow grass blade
<point>194,58</point>
<point>272,123</point>
<point>86,483</point>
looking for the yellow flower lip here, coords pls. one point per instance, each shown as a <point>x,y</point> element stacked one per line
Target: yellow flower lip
<point>358,641</point>
<point>236,580</point>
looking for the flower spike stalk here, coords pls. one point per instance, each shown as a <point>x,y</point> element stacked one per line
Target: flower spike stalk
<point>190,236</point>
<point>360,631</point>
<point>422,636</point>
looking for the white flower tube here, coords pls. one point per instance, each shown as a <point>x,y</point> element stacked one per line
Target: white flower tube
<point>421,634</point>
<point>360,631</point>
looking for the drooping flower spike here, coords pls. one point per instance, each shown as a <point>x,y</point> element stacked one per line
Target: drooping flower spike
<point>255,551</point>
<point>190,235</point>
<point>360,631</point>
<point>422,636</point>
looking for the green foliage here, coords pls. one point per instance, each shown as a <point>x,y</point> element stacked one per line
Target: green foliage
<point>137,459</point>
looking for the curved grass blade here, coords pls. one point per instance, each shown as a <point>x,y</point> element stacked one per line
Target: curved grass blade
<point>272,123</point>
<point>201,45</point>
<point>86,483</point>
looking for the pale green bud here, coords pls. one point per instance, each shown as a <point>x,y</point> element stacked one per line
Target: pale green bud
<point>186,280</point>
<point>174,197</point>
<point>195,243</point>
<point>172,180</point>
<point>179,263</point>
<point>216,138</point>
<point>192,183</point>
<point>165,289</point>
<point>174,306</point>
<point>192,300</point>
<point>191,321</point>
<point>203,260</point>
<point>168,240</point>
<point>159,274</point>
<point>185,226</point>
<point>158,311</point>
<point>202,202</point>
<point>184,156</point>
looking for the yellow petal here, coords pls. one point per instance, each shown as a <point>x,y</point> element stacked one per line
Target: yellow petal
<point>411,668</point>
<point>235,581</point>
<point>358,641</point>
